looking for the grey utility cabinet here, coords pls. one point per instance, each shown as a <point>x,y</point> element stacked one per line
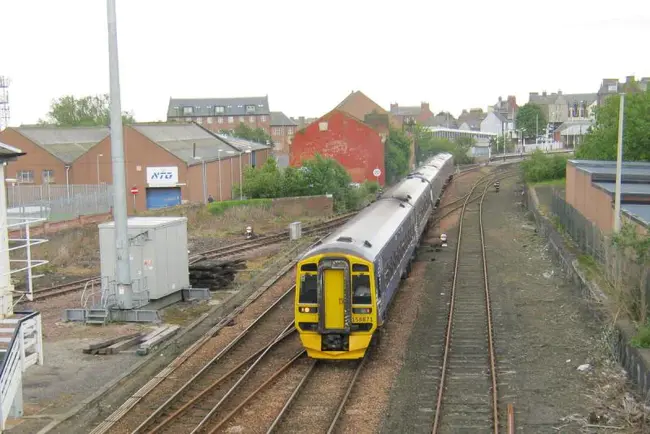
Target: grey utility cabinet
<point>158,255</point>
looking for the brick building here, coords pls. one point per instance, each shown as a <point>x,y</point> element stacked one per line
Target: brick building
<point>218,114</point>
<point>590,189</point>
<point>179,151</point>
<point>359,105</point>
<point>282,131</point>
<point>345,138</point>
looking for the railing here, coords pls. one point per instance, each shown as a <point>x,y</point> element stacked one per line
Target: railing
<point>27,335</point>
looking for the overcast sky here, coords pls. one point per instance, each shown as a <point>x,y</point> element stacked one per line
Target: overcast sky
<point>308,55</point>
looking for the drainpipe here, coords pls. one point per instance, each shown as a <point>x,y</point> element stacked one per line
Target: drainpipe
<point>67,181</point>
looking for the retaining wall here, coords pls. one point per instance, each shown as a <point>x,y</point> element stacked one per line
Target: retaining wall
<point>636,361</point>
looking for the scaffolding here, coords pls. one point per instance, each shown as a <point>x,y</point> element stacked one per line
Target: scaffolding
<point>5,113</point>
<point>23,244</point>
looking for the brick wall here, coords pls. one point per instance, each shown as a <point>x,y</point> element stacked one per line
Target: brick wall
<point>54,227</point>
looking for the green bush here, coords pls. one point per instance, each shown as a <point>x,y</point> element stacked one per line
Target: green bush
<point>542,167</point>
<point>217,208</point>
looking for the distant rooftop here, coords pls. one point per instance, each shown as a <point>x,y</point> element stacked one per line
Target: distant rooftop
<point>279,119</point>
<point>179,139</point>
<point>638,212</point>
<point>636,189</point>
<point>66,144</point>
<point>606,170</point>
<point>245,106</point>
<point>242,144</point>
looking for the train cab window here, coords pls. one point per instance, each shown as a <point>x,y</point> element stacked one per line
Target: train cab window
<point>361,289</point>
<point>309,288</point>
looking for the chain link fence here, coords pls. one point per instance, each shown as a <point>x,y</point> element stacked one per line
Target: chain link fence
<point>58,202</point>
<point>621,271</point>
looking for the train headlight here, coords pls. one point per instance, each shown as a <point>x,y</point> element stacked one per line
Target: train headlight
<point>306,309</point>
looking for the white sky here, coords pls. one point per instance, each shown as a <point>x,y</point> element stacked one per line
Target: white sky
<point>308,55</point>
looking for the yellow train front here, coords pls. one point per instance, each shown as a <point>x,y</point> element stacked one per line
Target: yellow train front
<point>345,284</point>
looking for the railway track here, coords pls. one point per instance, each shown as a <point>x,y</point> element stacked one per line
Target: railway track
<point>467,398</point>
<point>221,252</point>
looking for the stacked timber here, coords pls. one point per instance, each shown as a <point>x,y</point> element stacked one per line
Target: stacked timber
<point>215,274</point>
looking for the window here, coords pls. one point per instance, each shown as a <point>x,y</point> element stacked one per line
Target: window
<point>263,118</point>
<point>308,288</point>
<point>250,109</point>
<point>219,109</point>
<point>231,120</point>
<point>253,159</point>
<point>289,131</point>
<point>48,176</point>
<point>219,120</point>
<point>26,176</point>
<point>209,120</point>
<point>251,119</point>
<point>242,119</point>
<point>277,131</point>
<point>361,289</point>
<point>199,121</point>
<point>188,110</point>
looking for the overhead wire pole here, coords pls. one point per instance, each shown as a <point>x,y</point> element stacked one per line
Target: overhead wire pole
<point>619,166</point>
<point>124,289</point>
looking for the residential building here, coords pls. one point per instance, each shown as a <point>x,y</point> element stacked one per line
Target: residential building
<point>497,123</point>
<point>302,121</point>
<point>443,120</point>
<point>180,151</point>
<point>51,152</point>
<point>414,114</point>
<point>506,108</point>
<point>590,187</point>
<point>218,114</point>
<point>471,119</point>
<point>345,138</point>
<point>359,105</point>
<point>559,107</point>
<point>611,86</point>
<point>282,132</point>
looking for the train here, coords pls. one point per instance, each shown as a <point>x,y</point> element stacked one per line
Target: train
<point>345,284</point>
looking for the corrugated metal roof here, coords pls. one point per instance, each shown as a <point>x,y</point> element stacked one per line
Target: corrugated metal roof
<point>279,119</point>
<point>409,110</point>
<point>638,212</point>
<point>243,144</point>
<point>179,139</point>
<point>206,106</point>
<point>632,188</point>
<point>606,170</point>
<point>9,152</point>
<point>66,144</point>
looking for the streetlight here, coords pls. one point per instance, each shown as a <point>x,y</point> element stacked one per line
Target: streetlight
<point>99,155</point>
<point>230,153</point>
<point>219,158</point>
<point>619,166</point>
<point>241,177</point>
<point>205,187</point>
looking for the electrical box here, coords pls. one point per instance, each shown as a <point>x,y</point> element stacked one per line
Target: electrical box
<point>295,231</point>
<point>158,255</point>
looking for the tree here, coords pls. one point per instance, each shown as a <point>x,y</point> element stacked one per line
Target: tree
<point>87,111</point>
<point>601,140</point>
<point>531,118</point>
<point>397,154</point>
<point>258,135</point>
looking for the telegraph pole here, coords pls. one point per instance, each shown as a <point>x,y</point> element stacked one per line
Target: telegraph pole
<point>124,290</point>
<point>619,166</point>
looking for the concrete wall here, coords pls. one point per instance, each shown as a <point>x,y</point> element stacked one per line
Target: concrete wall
<point>593,203</point>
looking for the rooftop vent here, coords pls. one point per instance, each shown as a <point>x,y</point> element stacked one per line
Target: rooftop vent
<point>366,243</point>
<point>344,239</point>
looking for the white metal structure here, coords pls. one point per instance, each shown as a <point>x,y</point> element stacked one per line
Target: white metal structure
<point>25,349</point>
<point>26,243</point>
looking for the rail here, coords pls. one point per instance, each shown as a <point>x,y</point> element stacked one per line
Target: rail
<point>27,335</point>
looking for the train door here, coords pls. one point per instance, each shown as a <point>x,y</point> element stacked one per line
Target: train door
<point>335,296</point>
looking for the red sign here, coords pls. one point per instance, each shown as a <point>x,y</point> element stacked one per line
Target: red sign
<point>134,190</point>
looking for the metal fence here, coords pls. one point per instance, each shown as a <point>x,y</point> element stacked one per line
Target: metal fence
<point>619,267</point>
<point>58,202</point>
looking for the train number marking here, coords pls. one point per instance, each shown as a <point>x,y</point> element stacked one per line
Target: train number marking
<point>362,318</point>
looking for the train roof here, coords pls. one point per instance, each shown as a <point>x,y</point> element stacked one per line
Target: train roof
<point>367,233</point>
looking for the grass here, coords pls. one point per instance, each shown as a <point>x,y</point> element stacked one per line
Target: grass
<point>218,208</point>
<point>181,315</point>
<point>642,337</point>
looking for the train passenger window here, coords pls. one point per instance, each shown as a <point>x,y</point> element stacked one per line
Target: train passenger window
<point>361,288</point>
<point>308,288</point>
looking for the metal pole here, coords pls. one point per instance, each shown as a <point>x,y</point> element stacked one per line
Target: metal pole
<point>231,176</point>
<point>219,157</point>
<point>6,301</point>
<point>124,290</point>
<point>241,194</point>
<point>28,242</point>
<point>619,164</point>
<point>97,169</point>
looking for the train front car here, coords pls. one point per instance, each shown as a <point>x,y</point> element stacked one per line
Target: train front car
<point>339,298</point>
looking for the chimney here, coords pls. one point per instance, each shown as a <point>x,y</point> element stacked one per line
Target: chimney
<point>393,108</point>
<point>500,99</point>
<point>559,93</point>
<point>544,93</point>
<point>425,107</point>
<point>629,79</point>
<point>301,122</point>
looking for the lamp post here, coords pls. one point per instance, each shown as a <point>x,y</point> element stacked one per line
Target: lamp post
<point>619,166</point>
<point>219,158</point>
<point>205,187</point>
<point>231,179</point>
<point>99,155</point>
<point>241,176</point>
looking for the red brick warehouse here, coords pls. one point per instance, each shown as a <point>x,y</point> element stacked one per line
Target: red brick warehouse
<point>338,135</point>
